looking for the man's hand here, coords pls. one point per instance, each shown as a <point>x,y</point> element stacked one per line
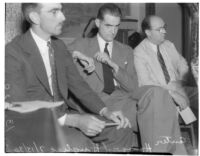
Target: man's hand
<point>179,99</point>
<point>117,117</point>
<point>104,58</point>
<point>87,62</point>
<point>174,85</point>
<point>88,124</point>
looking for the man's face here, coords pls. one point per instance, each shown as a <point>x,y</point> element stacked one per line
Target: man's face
<point>51,18</point>
<point>108,27</point>
<point>157,32</point>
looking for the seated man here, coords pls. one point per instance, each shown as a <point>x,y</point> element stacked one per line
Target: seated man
<point>155,111</point>
<point>104,80</point>
<point>158,63</point>
<point>38,67</point>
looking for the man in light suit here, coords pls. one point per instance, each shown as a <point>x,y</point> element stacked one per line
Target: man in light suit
<point>39,67</point>
<point>153,126</point>
<point>158,63</point>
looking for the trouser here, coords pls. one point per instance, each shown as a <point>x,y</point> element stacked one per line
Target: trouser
<point>158,122</point>
<point>39,131</point>
<point>109,140</point>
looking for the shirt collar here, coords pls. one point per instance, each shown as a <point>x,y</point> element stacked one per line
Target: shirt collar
<point>102,43</point>
<point>153,46</point>
<point>41,43</point>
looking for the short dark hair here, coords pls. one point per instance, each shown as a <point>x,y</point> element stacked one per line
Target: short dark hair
<point>109,8</point>
<point>146,23</point>
<point>27,8</point>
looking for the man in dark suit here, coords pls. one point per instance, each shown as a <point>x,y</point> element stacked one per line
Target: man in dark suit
<point>39,67</point>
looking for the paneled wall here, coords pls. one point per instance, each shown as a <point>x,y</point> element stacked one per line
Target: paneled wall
<point>13,21</point>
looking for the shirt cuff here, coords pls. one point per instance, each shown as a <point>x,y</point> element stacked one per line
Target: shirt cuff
<point>102,111</point>
<point>61,120</point>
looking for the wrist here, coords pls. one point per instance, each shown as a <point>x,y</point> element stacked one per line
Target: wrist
<point>103,111</point>
<point>72,120</point>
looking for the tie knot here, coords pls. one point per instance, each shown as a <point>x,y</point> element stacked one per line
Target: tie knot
<point>106,49</point>
<point>106,45</point>
<point>49,44</point>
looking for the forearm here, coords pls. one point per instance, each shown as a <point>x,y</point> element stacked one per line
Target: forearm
<point>72,120</point>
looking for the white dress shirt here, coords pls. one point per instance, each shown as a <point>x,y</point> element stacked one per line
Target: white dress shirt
<point>102,44</point>
<point>44,51</point>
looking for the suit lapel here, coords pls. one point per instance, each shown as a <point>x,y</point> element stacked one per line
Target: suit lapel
<point>29,46</point>
<point>116,54</point>
<point>93,49</point>
<point>60,69</point>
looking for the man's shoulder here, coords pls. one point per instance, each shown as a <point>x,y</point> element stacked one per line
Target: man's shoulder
<point>141,48</point>
<point>122,46</point>
<point>168,43</point>
<point>14,44</point>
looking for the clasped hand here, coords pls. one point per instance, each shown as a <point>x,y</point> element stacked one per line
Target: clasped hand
<point>86,61</point>
<point>177,92</point>
<point>92,126</point>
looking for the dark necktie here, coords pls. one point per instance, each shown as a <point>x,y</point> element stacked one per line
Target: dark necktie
<point>163,66</point>
<point>107,75</point>
<point>53,72</point>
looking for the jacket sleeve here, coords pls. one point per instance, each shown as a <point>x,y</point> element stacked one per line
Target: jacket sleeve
<point>80,88</point>
<point>180,63</point>
<point>127,77</point>
<point>15,82</point>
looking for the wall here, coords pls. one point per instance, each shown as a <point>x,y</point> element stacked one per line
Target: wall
<point>171,13</point>
<point>13,21</point>
<point>137,11</point>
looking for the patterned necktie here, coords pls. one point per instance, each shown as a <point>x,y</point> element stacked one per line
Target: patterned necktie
<point>163,66</point>
<point>53,72</point>
<point>107,75</point>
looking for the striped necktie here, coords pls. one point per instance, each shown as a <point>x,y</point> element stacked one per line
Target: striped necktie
<point>107,75</point>
<point>162,64</point>
<point>53,72</point>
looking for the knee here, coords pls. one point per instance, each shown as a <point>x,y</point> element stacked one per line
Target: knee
<point>159,91</point>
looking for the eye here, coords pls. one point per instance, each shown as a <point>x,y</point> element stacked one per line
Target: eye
<point>54,11</point>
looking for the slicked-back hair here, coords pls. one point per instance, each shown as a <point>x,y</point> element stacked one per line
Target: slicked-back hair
<point>109,8</point>
<point>146,23</point>
<point>27,8</point>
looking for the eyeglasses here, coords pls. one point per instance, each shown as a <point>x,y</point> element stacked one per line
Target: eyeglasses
<point>161,29</point>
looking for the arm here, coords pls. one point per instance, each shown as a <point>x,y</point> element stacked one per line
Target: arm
<point>14,76</point>
<point>80,88</point>
<point>180,63</point>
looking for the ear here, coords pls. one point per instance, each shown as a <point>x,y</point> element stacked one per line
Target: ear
<point>34,17</point>
<point>97,22</point>
<point>147,32</point>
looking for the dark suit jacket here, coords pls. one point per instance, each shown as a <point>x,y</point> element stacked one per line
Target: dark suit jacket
<point>25,73</point>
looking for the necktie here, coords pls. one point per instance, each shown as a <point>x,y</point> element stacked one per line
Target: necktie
<point>53,72</point>
<point>107,75</point>
<point>163,66</point>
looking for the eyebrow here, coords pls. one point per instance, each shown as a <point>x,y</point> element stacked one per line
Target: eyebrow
<point>111,25</point>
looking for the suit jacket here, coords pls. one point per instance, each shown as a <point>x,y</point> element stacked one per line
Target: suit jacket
<point>121,98</point>
<point>148,68</point>
<point>121,55</point>
<point>25,73</point>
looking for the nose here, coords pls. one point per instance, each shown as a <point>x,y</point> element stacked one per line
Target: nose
<point>62,16</point>
<point>163,30</point>
<point>113,30</point>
